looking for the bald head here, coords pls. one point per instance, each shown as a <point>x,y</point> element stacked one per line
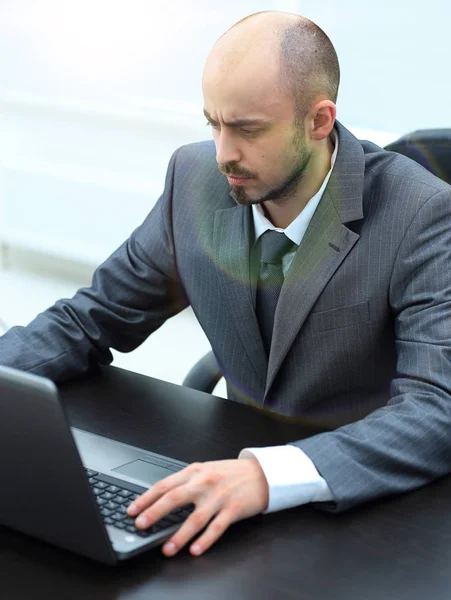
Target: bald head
<point>287,52</point>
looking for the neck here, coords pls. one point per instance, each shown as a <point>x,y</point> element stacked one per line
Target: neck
<point>283,213</point>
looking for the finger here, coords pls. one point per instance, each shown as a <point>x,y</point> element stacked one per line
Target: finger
<point>191,526</point>
<point>158,490</point>
<point>180,496</point>
<point>212,534</point>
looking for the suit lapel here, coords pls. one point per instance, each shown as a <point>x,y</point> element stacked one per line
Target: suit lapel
<point>231,238</point>
<point>325,245</point>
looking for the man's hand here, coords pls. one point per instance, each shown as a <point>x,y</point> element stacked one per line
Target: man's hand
<point>223,492</point>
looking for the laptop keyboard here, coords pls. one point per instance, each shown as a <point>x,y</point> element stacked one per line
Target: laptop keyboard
<point>113,496</point>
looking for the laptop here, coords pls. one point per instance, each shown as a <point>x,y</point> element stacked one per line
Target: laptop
<point>69,487</point>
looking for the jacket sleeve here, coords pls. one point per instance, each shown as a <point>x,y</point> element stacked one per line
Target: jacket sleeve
<point>406,443</point>
<point>132,293</point>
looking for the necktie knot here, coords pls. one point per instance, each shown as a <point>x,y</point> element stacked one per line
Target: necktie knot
<point>273,246</point>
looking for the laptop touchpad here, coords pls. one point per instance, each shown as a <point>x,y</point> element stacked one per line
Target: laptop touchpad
<point>145,471</point>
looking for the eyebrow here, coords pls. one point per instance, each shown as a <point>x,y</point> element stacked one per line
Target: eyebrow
<point>237,122</point>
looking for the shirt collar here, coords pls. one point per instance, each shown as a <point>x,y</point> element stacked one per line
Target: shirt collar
<point>297,228</point>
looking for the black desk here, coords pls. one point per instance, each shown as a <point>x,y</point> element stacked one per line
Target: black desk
<point>398,548</point>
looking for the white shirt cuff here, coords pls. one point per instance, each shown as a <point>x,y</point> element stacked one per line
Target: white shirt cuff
<point>292,477</point>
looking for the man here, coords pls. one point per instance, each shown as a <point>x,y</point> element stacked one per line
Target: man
<point>360,342</point>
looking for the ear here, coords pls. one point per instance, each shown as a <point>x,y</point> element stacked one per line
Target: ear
<point>322,119</point>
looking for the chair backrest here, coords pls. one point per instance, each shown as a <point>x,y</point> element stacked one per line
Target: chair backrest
<point>431,148</point>
<point>204,375</point>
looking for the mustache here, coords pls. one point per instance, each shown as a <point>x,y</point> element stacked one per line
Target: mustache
<point>233,172</point>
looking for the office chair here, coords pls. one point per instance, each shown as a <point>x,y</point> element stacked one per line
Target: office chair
<point>431,148</point>
<point>204,375</point>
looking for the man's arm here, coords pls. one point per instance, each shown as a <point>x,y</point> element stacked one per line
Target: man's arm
<point>132,293</point>
<point>407,443</point>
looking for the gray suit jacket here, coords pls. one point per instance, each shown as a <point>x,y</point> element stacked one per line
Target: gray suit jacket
<point>362,335</point>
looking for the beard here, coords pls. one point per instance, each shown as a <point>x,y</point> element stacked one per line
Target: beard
<point>285,190</point>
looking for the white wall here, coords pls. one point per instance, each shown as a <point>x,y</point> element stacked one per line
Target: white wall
<point>394,57</point>
<point>95,96</point>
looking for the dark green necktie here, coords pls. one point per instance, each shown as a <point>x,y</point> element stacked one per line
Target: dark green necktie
<point>273,246</point>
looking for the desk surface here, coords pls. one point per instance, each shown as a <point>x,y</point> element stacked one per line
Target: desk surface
<point>398,548</point>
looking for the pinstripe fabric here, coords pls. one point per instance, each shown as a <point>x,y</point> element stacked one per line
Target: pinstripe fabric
<point>362,330</point>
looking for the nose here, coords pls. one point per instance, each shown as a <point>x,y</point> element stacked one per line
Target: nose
<point>227,149</point>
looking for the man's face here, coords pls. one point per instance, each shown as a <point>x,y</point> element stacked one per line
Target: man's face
<point>260,149</point>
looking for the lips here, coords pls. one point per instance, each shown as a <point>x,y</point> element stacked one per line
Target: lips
<point>234,180</point>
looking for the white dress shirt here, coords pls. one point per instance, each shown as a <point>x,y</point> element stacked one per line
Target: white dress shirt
<point>292,477</point>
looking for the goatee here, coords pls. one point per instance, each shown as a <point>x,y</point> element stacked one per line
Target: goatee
<point>281,193</point>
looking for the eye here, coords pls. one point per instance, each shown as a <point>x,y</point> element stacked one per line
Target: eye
<point>249,132</point>
<point>213,125</point>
